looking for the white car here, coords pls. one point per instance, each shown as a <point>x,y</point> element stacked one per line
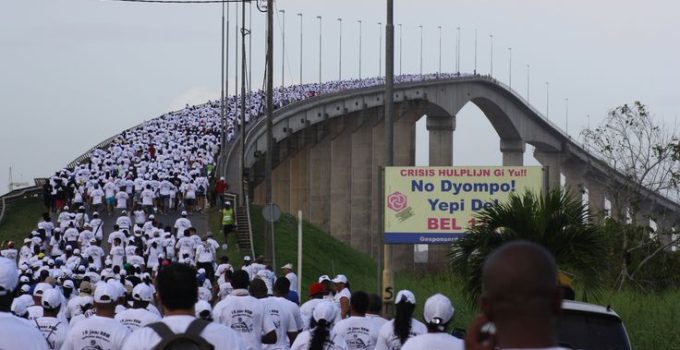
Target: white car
<point>588,326</point>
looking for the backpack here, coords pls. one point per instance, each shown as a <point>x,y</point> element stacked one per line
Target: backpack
<point>189,340</point>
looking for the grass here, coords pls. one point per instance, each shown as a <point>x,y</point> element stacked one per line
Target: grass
<point>651,319</point>
<point>21,217</point>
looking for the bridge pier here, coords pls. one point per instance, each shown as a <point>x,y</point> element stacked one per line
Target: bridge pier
<point>574,175</point>
<point>596,199</point>
<point>513,152</point>
<point>360,186</point>
<point>341,181</point>
<point>440,128</point>
<point>320,181</point>
<point>551,167</point>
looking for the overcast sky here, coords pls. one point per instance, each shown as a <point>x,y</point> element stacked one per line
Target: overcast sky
<point>75,72</point>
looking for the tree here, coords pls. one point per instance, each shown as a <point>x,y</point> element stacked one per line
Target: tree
<point>557,221</point>
<point>647,153</point>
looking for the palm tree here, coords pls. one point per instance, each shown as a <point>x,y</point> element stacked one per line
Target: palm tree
<point>558,221</point>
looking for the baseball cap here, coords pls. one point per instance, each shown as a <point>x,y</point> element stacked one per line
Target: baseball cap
<point>325,310</point>
<point>288,266</point>
<point>184,213</point>
<point>105,293</point>
<point>85,288</point>
<point>41,288</point>
<point>438,309</point>
<point>247,258</point>
<point>9,277</point>
<point>142,292</point>
<point>324,278</point>
<point>68,284</point>
<point>340,279</point>
<point>51,299</point>
<point>21,304</point>
<point>202,306</point>
<point>405,296</point>
<point>316,288</point>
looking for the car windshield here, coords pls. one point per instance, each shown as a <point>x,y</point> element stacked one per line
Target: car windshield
<point>584,330</point>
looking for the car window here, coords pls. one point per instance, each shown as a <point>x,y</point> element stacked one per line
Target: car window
<point>590,331</point>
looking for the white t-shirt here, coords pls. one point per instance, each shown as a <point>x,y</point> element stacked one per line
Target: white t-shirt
<point>434,341</point>
<point>284,320</point>
<point>182,224</point>
<point>147,197</point>
<point>377,320</point>
<point>121,200</point>
<point>96,332</point>
<point>388,340</point>
<point>136,318</point>
<point>334,342</point>
<point>359,332</point>
<point>53,330</point>
<point>221,337</point>
<point>307,309</point>
<point>97,196</point>
<point>293,281</point>
<point>344,293</point>
<point>245,315</point>
<point>18,334</point>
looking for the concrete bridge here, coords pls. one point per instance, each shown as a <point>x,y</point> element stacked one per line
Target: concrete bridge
<point>329,151</point>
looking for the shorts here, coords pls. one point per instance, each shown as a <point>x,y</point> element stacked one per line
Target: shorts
<point>189,201</point>
<point>110,200</point>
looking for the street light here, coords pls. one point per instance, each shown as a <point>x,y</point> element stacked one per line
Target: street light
<point>475,71</point>
<point>440,50</point>
<point>528,80</point>
<point>421,50</point>
<point>283,46</point>
<point>510,67</point>
<point>320,45</point>
<point>566,101</point>
<point>491,61</point>
<point>360,38</point>
<point>340,60</point>
<point>401,30</point>
<point>547,100</point>
<point>458,51</point>
<point>380,48</point>
<point>300,14</point>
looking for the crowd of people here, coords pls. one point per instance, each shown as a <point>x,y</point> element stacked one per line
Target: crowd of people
<point>145,284</point>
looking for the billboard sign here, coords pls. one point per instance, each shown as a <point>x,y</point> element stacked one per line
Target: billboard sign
<point>435,205</point>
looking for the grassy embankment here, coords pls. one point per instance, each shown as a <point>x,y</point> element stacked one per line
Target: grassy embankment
<point>652,320</point>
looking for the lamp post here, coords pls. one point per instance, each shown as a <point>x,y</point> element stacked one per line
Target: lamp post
<point>401,30</point>
<point>340,55</point>
<point>379,49</point>
<point>491,61</point>
<point>566,113</point>
<point>439,70</point>
<point>458,51</point>
<point>320,45</point>
<point>421,50</point>
<point>510,67</point>
<point>222,72</point>
<point>283,46</point>
<point>475,71</point>
<point>360,38</point>
<point>547,100</point>
<point>528,80</point>
<point>300,14</point>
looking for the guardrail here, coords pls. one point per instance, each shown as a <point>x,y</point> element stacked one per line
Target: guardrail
<point>15,195</point>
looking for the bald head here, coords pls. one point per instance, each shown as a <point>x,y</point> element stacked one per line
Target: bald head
<point>258,288</point>
<point>520,280</point>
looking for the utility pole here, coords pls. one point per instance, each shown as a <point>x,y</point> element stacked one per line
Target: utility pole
<point>222,117</point>
<point>528,81</point>
<point>380,49</point>
<point>421,50</point>
<point>401,36</point>
<point>387,275</point>
<point>510,67</point>
<point>283,46</point>
<point>439,70</point>
<point>475,71</point>
<point>491,61</point>
<point>547,100</point>
<point>244,32</point>
<point>458,51</point>
<point>250,47</point>
<point>226,56</point>
<point>269,233</point>
<point>236,53</point>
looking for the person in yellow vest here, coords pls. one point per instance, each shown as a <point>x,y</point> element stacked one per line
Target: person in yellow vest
<point>228,220</point>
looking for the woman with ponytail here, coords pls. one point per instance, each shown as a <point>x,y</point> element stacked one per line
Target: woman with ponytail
<point>395,333</point>
<point>320,335</point>
<point>438,314</point>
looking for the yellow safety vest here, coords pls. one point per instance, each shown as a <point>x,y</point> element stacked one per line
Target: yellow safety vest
<point>227,216</point>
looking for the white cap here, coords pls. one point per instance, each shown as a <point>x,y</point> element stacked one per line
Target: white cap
<point>68,284</point>
<point>184,213</point>
<point>405,296</point>
<point>324,278</point>
<point>201,306</point>
<point>340,279</point>
<point>105,293</point>
<point>247,258</point>
<point>51,299</point>
<point>438,309</point>
<point>9,277</point>
<point>41,288</point>
<point>20,304</point>
<point>288,266</point>
<point>324,310</point>
<point>142,292</point>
